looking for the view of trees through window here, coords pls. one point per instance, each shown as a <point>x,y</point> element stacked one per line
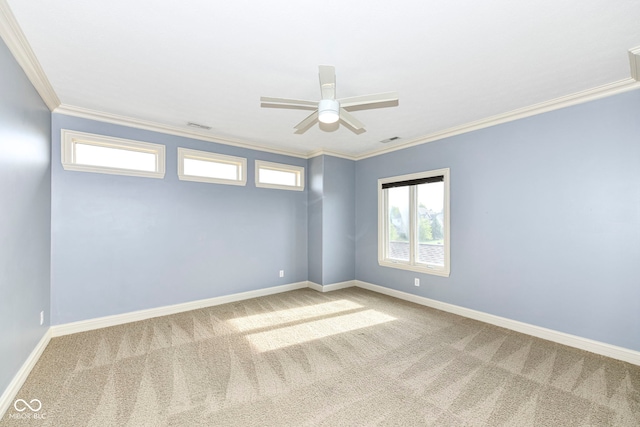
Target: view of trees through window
<point>429,217</point>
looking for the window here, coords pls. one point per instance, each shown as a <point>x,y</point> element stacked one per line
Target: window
<point>203,166</point>
<point>103,154</point>
<point>413,222</point>
<point>277,175</point>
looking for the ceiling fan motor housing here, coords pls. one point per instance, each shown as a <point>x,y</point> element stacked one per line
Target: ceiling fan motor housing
<point>328,111</point>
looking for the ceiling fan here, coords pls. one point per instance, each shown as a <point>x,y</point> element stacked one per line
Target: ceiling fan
<point>329,109</point>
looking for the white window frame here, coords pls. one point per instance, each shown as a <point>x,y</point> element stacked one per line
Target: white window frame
<point>383,224</point>
<point>69,139</point>
<point>187,153</point>
<point>298,170</point>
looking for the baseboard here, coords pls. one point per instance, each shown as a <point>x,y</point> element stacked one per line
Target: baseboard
<point>314,286</point>
<point>597,347</point>
<point>604,349</point>
<point>18,380</point>
<point>332,287</point>
<point>135,316</point>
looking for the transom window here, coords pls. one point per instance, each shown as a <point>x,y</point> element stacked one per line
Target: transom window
<point>280,176</point>
<point>413,222</point>
<point>103,154</point>
<point>204,166</point>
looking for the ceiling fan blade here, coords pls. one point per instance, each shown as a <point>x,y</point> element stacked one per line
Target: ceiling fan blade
<point>328,81</point>
<point>378,100</point>
<point>295,104</point>
<point>306,124</point>
<point>348,119</point>
<point>354,130</point>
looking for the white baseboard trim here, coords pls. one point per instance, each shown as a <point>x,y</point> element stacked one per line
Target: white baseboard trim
<point>333,286</point>
<point>134,316</point>
<point>597,347</point>
<point>340,285</point>
<point>604,349</point>
<point>18,380</point>
<point>314,286</point>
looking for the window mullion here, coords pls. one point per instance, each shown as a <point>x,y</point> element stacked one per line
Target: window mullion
<point>412,225</point>
<point>386,224</point>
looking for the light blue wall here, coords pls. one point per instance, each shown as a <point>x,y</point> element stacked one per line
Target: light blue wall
<point>338,225</point>
<point>545,223</point>
<point>331,220</point>
<point>545,219</point>
<point>121,243</point>
<point>315,183</point>
<point>25,208</point>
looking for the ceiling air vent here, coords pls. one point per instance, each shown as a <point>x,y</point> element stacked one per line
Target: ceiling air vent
<point>393,138</point>
<point>199,126</point>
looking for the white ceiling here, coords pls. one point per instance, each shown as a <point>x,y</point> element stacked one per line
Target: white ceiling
<point>204,61</point>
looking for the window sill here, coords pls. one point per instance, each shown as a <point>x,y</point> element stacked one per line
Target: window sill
<point>195,178</point>
<point>443,272</point>
<point>111,171</point>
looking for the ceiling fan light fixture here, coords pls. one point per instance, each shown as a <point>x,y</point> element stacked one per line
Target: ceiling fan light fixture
<point>328,111</point>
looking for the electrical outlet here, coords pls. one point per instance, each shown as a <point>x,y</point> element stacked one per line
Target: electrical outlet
<point>281,273</point>
<point>42,318</point>
<point>416,281</point>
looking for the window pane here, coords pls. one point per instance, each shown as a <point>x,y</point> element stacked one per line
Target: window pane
<point>270,176</point>
<point>399,225</point>
<point>96,155</point>
<point>211,169</point>
<point>430,222</point>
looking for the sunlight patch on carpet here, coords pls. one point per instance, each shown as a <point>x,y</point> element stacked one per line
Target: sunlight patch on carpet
<point>313,330</point>
<point>274,318</point>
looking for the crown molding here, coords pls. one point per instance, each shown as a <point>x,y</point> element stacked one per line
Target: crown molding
<point>21,50</point>
<point>634,60</point>
<point>532,110</point>
<point>324,152</point>
<point>116,119</point>
<point>19,46</point>
<point>86,113</point>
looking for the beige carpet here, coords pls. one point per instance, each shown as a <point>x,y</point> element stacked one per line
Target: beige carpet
<point>343,358</point>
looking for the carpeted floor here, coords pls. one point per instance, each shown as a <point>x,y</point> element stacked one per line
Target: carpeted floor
<point>343,358</point>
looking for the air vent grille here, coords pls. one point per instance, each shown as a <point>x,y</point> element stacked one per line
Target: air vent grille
<point>393,138</point>
<point>198,125</point>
